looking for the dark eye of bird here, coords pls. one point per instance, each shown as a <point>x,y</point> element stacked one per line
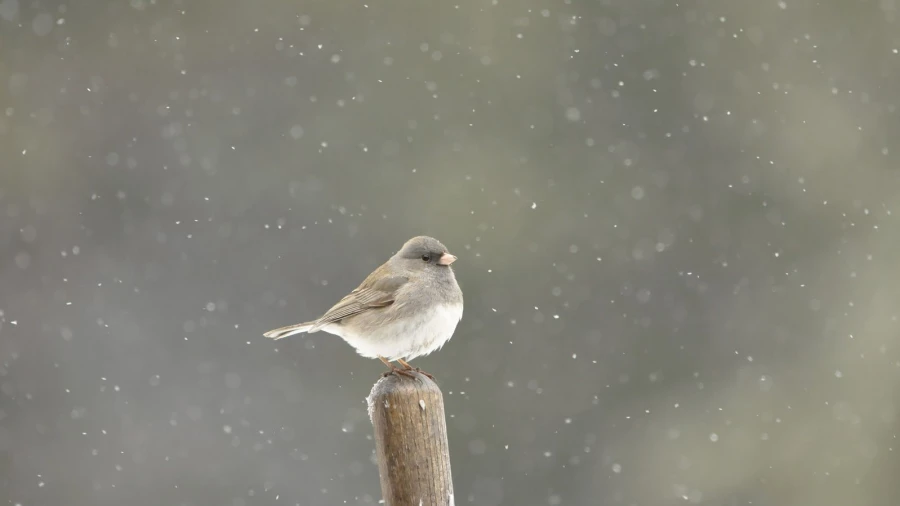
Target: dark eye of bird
<point>426,257</point>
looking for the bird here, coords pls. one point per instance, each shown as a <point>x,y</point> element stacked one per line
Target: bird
<point>406,308</point>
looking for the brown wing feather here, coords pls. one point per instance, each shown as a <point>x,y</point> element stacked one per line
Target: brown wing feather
<point>374,292</point>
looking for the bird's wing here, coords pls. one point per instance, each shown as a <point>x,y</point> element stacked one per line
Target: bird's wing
<point>371,294</point>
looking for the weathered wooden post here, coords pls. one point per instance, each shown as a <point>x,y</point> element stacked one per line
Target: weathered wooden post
<point>411,441</point>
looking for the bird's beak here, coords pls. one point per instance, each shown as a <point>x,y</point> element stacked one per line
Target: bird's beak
<point>447,259</point>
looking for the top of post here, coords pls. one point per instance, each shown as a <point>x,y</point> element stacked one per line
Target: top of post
<point>394,386</point>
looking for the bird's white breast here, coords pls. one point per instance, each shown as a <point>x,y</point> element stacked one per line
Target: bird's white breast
<point>406,338</point>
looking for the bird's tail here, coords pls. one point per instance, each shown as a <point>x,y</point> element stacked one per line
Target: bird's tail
<point>290,330</point>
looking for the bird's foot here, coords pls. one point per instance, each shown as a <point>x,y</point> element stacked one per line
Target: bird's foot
<point>406,371</point>
<point>420,371</point>
<point>408,367</point>
<point>399,372</point>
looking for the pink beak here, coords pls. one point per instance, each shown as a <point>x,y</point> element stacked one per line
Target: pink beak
<point>447,259</point>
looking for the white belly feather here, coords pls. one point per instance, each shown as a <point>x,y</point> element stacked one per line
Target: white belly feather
<point>406,339</point>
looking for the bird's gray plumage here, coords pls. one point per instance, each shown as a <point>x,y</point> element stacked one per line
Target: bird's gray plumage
<point>408,307</point>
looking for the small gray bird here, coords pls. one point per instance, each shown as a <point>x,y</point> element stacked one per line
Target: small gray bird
<point>408,307</point>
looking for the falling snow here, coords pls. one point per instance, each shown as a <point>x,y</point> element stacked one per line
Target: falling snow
<point>674,228</point>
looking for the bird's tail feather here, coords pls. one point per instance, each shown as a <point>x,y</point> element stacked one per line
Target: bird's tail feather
<point>290,330</point>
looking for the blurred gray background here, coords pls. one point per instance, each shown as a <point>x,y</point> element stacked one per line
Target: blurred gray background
<point>676,226</point>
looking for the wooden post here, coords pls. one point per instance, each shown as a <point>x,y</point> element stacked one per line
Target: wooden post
<point>411,441</point>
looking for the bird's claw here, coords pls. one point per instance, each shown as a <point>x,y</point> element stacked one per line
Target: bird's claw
<point>408,367</point>
<point>406,371</point>
<point>420,371</point>
<point>399,372</point>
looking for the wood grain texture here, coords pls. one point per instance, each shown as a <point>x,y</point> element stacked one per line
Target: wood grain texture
<point>411,441</point>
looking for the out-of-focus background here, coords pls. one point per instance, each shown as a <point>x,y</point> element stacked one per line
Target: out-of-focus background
<point>676,224</point>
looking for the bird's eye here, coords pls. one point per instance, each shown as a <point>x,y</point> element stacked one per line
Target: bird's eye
<point>426,257</point>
